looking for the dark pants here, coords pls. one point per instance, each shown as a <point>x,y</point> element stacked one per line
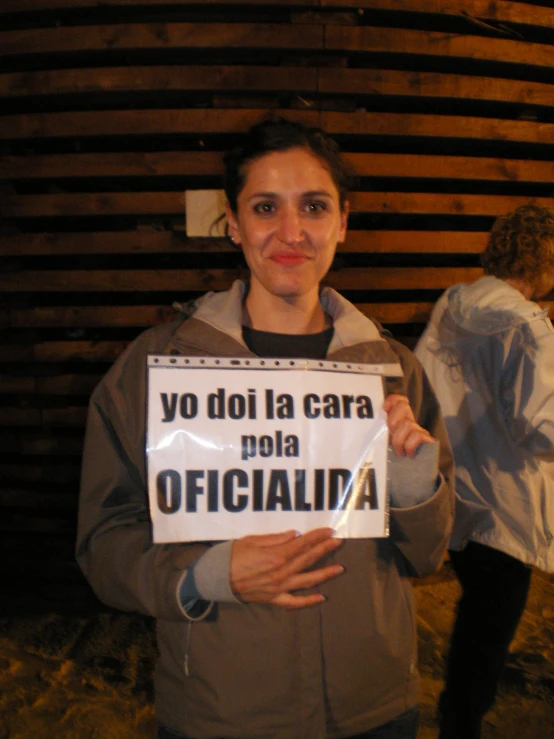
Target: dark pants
<point>403,727</point>
<point>494,592</point>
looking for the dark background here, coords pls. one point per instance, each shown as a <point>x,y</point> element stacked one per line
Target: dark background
<point>110,110</point>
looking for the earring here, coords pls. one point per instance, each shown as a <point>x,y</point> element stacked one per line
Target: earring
<point>232,239</point>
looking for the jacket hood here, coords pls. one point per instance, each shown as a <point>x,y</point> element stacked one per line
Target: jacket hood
<point>490,305</point>
<point>223,311</point>
<point>467,314</point>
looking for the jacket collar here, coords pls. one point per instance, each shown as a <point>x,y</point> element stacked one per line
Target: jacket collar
<point>222,311</point>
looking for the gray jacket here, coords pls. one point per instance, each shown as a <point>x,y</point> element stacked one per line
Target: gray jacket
<point>489,354</point>
<point>255,670</point>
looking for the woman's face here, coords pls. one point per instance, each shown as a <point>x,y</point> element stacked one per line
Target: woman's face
<point>288,223</point>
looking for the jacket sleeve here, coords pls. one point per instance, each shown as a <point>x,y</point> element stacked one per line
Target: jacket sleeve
<point>421,532</point>
<point>114,540</point>
<point>527,391</point>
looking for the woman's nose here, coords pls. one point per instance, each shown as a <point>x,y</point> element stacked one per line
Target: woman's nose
<point>290,228</point>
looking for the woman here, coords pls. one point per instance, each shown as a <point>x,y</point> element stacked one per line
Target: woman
<point>489,351</point>
<point>294,636</point>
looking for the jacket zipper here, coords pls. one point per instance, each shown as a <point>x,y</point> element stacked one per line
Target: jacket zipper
<point>187,643</point>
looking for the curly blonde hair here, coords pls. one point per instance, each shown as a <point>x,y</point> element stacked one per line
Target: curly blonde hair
<point>521,247</point>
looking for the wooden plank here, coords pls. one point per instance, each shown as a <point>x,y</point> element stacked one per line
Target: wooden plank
<point>120,164</point>
<point>68,384</point>
<point>72,204</point>
<point>56,385</point>
<point>41,444</point>
<point>47,416</point>
<point>172,203</point>
<point>15,352</point>
<point>451,167</point>
<point>214,120</point>
<point>369,39</point>
<point>39,526</point>
<point>397,312</point>
<point>109,242</point>
<point>117,280</point>
<point>65,416</point>
<point>433,84</point>
<point>198,163</point>
<point>299,79</point>
<point>201,280</point>
<point>58,351</point>
<point>20,417</point>
<point>158,79</point>
<point>400,278</point>
<point>274,36</point>
<point>105,316</point>
<point>414,242</point>
<point>161,36</point>
<point>15,384</point>
<point>146,242</point>
<point>467,10</point>
<point>12,6</point>
<point>22,497</point>
<point>488,10</point>
<point>361,122</point>
<point>67,351</point>
<point>412,312</point>
<point>47,445</point>
<point>439,203</point>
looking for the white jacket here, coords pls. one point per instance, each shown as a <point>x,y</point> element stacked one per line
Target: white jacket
<point>489,354</point>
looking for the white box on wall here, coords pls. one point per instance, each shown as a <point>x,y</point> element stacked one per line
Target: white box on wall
<point>202,209</point>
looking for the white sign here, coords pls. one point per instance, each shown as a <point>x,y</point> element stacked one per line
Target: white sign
<point>258,446</point>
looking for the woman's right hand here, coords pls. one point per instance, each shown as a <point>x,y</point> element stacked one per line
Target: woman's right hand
<point>270,567</point>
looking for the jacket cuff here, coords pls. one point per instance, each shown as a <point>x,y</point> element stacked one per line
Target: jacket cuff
<point>413,480</point>
<point>212,574</point>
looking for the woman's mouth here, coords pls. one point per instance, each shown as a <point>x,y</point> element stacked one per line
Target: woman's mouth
<point>289,259</point>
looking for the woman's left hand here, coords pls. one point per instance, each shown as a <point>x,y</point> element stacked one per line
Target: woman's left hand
<point>405,433</point>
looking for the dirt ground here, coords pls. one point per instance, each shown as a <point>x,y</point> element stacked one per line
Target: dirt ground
<point>76,676</point>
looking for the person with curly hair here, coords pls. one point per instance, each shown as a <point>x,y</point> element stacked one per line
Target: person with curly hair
<point>489,353</point>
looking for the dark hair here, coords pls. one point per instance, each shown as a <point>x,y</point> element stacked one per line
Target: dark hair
<point>279,134</point>
<point>521,246</point>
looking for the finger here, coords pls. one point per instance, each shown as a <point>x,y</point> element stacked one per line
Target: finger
<point>400,435</point>
<point>309,556</point>
<point>293,602</point>
<point>393,400</point>
<point>408,437</point>
<point>273,577</point>
<point>266,589</point>
<point>305,541</point>
<point>399,413</point>
<point>306,580</point>
<point>272,540</point>
<point>415,439</point>
<point>256,570</point>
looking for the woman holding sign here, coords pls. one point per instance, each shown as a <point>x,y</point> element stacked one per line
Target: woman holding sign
<point>287,635</point>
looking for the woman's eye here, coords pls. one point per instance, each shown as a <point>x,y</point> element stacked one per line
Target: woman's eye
<point>316,206</point>
<point>264,207</point>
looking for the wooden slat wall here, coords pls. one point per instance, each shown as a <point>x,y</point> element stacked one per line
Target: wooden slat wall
<point>111,109</point>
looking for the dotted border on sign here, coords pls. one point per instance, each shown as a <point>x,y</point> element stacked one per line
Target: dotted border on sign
<point>164,360</point>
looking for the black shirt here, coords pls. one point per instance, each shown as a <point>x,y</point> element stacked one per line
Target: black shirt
<point>282,346</point>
